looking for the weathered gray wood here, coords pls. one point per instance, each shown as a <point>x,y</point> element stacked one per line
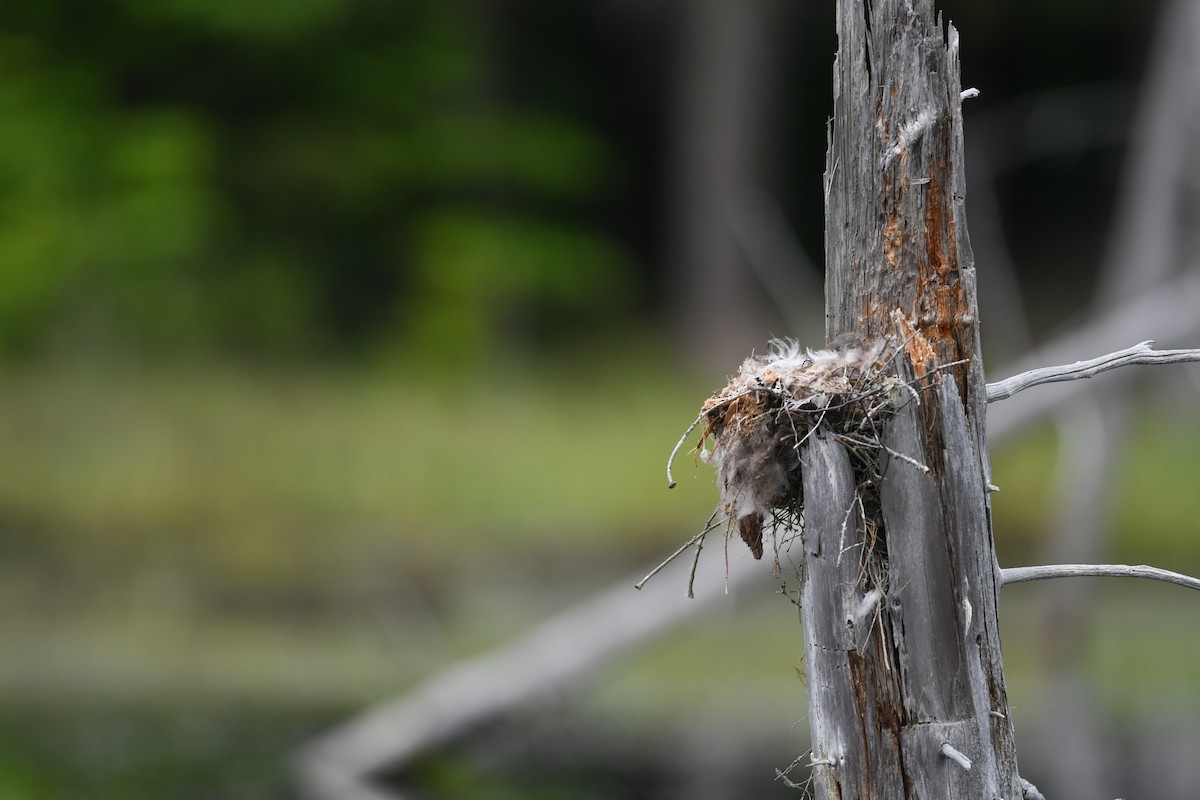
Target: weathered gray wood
<point>1038,573</point>
<point>1142,353</point>
<point>853,745</point>
<point>928,681</point>
<point>968,535</point>
<point>920,579</point>
<point>943,585</point>
<point>895,229</point>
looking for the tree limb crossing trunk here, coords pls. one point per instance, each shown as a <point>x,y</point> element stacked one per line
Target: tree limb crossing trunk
<point>906,687</point>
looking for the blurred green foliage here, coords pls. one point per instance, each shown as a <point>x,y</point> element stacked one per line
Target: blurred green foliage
<point>287,178</point>
<point>272,477</point>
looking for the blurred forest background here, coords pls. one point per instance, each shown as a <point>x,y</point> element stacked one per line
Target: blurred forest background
<point>344,339</point>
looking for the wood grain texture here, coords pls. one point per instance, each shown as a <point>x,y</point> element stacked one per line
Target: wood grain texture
<point>853,720</point>
<point>928,672</point>
<point>895,224</point>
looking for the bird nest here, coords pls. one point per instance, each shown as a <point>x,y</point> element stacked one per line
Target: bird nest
<point>754,428</point>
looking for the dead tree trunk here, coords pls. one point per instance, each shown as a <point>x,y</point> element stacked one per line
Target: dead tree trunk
<point>906,687</point>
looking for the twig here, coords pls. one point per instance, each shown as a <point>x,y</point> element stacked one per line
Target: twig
<point>679,444</point>
<point>699,537</point>
<point>842,536</point>
<point>907,459</point>
<point>947,365</point>
<point>1169,310</point>
<point>700,418</point>
<point>1022,574</point>
<point>1142,353</point>
<point>691,590</point>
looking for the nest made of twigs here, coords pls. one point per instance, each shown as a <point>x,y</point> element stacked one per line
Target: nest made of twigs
<point>758,423</point>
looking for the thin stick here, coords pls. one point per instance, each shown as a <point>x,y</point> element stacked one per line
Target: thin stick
<point>907,459</point>
<point>947,365</point>
<point>708,526</point>
<point>1022,574</point>
<point>900,348</point>
<point>811,429</point>
<point>691,592</point>
<point>727,535</point>
<point>1142,353</point>
<point>700,418</point>
<point>670,480</point>
<point>842,536</point>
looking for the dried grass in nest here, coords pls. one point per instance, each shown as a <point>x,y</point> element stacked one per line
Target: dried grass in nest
<point>758,423</point>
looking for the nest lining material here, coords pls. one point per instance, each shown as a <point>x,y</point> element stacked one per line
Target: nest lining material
<point>759,421</point>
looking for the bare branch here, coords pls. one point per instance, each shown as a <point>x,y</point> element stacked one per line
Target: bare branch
<point>1143,353</point>
<point>670,478</point>
<point>1022,574</point>
<point>697,539</point>
<point>1168,311</point>
<point>536,665</point>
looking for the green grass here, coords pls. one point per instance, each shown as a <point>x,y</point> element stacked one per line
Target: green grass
<point>259,473</point>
